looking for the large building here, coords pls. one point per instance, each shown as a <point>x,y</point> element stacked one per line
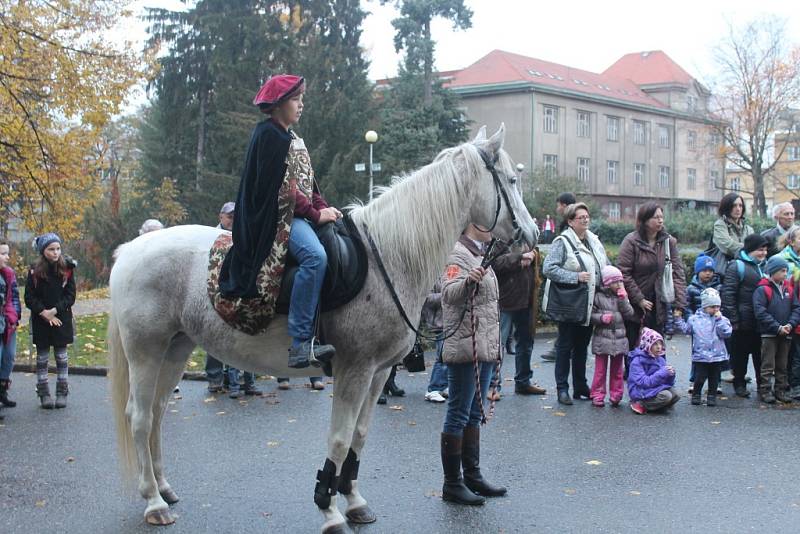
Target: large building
<point>640,130</point>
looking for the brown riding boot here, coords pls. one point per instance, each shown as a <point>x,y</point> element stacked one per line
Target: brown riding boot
<point>471,459</point>
<point>454,489</point>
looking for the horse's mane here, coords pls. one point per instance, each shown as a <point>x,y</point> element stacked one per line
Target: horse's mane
<point>422,211</point>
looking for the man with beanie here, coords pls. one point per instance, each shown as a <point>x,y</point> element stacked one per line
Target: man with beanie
<point>742,276</point>
<point>778,313</point>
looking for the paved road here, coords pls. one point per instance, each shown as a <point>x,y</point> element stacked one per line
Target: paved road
<point>251,466</point>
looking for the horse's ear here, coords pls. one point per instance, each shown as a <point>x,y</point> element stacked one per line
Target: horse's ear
<point>481,135</point>
<point>496,141</point>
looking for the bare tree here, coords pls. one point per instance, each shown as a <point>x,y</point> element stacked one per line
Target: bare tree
<point>758,80</point>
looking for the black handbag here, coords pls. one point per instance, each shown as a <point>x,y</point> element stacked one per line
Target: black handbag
<point>568,303</point>
<point>414,361</point>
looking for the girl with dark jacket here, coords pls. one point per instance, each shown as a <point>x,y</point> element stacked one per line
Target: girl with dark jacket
<point>739,283</point>
<point>50,294</point>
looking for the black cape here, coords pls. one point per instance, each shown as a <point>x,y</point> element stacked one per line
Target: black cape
<point>255,220</point>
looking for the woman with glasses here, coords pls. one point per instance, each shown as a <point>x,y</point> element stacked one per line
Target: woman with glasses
<point>576,257</point>
<point>642,259</point>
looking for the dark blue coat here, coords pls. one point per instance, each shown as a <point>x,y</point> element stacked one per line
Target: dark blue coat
<point>693,293</point>
<point>774,306</point>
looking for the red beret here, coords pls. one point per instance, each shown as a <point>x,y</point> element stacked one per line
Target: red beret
<point>278,88</point>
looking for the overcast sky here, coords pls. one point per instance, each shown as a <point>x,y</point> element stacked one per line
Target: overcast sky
<point>586,34</point>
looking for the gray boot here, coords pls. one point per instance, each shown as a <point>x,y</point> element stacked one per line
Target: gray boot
<point>310,353</point>
<point>43,391</point>
<point>62,390</point>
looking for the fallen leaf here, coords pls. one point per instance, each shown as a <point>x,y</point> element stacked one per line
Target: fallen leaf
<point>41,503</point>
<point>723,398</point>
<point>433,493</point>
<point>560,414</point>
<point>634,492</point>
<point>175,411</point>
<point>570,491</point>
<point>220,413</point>
<point>177,396</point>
<point>192,363</point>
<point>396,408</point>
<point>272,444</point>
<point>70,459</point>
<point>412,423</point>
<point>171,403</point>
<point>210,399</point>
<point>242,403</point>
<point>714,422</point>
<point>547,407</point>
<point>292,421</point>
<point>594,462</point>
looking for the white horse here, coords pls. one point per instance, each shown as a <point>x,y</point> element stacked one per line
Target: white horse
<point>161,311</point>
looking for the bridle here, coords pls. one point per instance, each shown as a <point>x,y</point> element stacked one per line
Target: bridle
<point>501,195</point>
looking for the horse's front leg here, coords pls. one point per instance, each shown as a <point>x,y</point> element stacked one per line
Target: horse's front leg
<point>351,389</point>
<point>357,509</point>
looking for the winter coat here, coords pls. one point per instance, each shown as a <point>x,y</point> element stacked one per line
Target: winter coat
<point>647,376</point>
<point>793,259</point>
<point>737,292</point>
<point>562,265</point>
<point>708,335</point>
<point>696,287</point>
<point>729,237</point>
<point>12,310</point>
<point>51,292</point>
<point>432,309</point>
<point>772,313</point>
<point>456,292</point>
<point>516,281</point>
<point>610,338</point>
<point>641,267</point>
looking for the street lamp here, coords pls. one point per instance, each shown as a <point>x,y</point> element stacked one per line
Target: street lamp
<point>520,170</point>
<point>371,137</point>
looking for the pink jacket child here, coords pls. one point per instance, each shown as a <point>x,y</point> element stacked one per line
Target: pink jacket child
<point>610,310</point>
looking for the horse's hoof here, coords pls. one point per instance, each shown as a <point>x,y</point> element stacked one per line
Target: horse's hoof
<point>335,529</point>
<point>160,517</point>
<point>169,496</point>
<point>361,515</point>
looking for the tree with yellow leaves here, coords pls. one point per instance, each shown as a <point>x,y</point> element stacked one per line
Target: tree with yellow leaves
<point>60,82</point>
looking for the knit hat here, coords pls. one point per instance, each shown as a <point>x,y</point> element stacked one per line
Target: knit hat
<point>710,297</point>
<point>775,264</point>
<point>703,263</point>
<point>649,338</point>
<point>277,89</point>
<point>45,240</point>
<point>610,274</point>
<point>754,242</point>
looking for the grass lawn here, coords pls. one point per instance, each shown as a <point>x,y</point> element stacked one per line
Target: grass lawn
<point>89,349</point>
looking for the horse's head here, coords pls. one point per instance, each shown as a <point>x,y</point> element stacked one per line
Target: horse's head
<point>498,203</point>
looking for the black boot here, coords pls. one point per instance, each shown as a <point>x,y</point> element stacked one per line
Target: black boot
<point>382,399</point>
<point>393,389</point>
<point>5,385</point>
<point>454,489</point>
<point>471,459</point>
<point>62,390</point>
<point>43,391</point>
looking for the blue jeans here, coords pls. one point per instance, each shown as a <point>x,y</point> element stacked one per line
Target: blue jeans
<point>463,409</point>
<point>249,379</point>
<point>7,355</point>
<point>520,320</point>
<point>571,347</point>
<point>438,380</point>
<point>305,247</point>
<point>213,370</point>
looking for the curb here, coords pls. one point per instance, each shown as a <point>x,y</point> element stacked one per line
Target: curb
<point>96,371</point>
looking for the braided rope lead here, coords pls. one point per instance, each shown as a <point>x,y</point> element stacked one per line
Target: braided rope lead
<point>496,375</point>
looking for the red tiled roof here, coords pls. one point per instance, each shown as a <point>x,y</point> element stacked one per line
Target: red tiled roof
<point>644,68</point>
<point>504,67</point>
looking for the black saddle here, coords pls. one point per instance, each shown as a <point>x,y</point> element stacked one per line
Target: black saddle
<point>347,267</point>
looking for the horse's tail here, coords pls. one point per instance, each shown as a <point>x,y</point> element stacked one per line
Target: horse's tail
<point>120,389</point>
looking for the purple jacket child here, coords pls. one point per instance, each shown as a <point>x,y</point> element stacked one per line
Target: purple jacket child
<point>648,374</point>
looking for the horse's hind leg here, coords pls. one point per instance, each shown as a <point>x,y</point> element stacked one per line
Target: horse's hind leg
<point>172,367</point>
<point>357,509</point>
<point>146,357</point>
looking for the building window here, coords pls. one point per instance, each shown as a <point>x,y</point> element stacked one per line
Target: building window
<point>550,119</point>
<point>583,170</point>
<point>716,141</point>
<point>663,177</point>
<point>691,103</point>
<point>713,176</point>
<point>793,153</point>
<point>793,182</point>
<point>612,128</point>
<point>638,174</point>
<point>691,139</point>
<point>691,179</point>
<point>584,122</point>
<point>639,137</point>
<point>550,165</point>
<point>613,211</point>
<point>736,183</point>
<point>663,136</point>
<point>612,171</point>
